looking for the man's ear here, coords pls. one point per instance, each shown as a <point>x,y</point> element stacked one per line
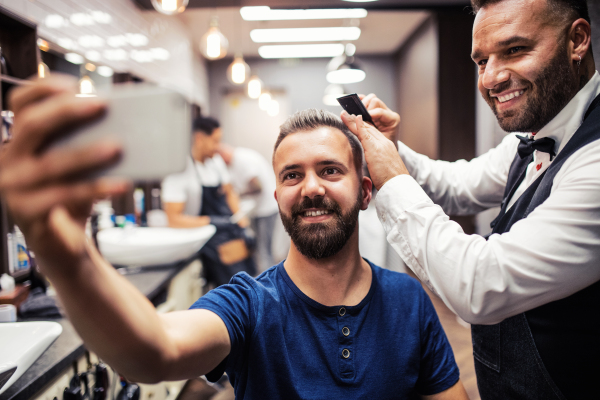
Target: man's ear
<point>580,37</point>
<point>367,192</point>
<point>275,195</point>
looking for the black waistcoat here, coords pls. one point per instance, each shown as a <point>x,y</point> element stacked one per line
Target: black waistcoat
<point>553,351</point>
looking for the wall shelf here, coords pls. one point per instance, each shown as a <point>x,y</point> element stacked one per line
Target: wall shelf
<point>13,80</point>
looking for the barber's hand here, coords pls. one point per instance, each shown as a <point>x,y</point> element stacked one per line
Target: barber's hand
<point>381,155</point>
<point>43,188</point>
<point>385,119</point>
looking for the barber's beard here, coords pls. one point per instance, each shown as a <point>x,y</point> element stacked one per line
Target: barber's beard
<point>321,240</point>
<point>549,93</point>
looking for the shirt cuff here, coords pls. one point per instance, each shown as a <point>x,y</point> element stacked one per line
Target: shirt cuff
<point>396,196</point>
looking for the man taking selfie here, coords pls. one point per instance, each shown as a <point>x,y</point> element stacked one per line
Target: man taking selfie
<point>324,323</point>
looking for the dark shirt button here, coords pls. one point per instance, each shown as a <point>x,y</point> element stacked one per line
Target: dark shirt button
<point>342,312</point>
<point>345,353</point>
<point>345,331</point>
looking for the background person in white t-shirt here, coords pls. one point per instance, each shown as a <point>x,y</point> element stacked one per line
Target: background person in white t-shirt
<point>252,177</point>
<point>203,195</point>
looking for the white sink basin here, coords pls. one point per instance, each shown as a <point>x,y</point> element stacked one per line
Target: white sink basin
<point>135,246</point>
<point>21,343</point>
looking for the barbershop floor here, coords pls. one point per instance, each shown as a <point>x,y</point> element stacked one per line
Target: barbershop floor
<point>458,333</point>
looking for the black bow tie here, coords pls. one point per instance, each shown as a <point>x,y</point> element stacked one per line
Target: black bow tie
<point>527,146</point>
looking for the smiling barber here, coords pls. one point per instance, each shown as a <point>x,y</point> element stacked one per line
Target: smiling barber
<point>532,290</point>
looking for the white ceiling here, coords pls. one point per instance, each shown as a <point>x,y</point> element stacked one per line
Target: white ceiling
<point>382,32</point>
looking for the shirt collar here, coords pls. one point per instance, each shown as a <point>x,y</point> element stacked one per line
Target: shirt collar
<point>570,118</point>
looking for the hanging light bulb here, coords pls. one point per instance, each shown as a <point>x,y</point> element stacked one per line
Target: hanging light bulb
<point>213,44</point>
<point>238,71</point>
<point>254,87</point>
<point>170,7</point>
<point>43,70</point>
<point>264,100</point>
<point>87,88</point>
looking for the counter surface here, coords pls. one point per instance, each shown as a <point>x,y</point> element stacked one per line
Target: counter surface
<point>68,347</point>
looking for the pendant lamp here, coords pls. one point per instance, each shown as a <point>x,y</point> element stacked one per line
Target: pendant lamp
<point>255,86</point>
<point>238,71</point>
<point>214,44</point>
<point>170,7</point>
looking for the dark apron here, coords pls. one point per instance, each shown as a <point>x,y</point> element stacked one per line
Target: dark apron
<point>214,204</point>
<point>552,351</point>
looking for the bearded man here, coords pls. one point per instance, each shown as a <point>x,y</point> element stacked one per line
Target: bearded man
<point>532,290</point>
<point>323,324</point>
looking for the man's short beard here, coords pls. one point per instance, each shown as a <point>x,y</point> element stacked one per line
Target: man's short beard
<point>321,239</point>
<point>550,92</point>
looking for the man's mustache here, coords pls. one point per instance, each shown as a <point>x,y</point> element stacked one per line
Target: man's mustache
<point>316,202</point>
<point>503,87</point>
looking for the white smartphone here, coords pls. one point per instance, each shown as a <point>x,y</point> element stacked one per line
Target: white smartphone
<point>152,123</point>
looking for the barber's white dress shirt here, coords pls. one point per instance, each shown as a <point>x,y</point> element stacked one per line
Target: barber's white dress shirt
<point>549,255</point>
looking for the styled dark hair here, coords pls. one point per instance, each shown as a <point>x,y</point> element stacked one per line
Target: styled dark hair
<point>573,9</point>
<point>206,125</point>
<point>312,119</point>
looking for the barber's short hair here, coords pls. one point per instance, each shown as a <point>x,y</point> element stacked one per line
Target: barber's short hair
<point>574,9</point>
<point>311,119</point>
<point>206,125</point>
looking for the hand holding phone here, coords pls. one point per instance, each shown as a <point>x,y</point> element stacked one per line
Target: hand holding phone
<point>152,123</point>
<point>353,105</point>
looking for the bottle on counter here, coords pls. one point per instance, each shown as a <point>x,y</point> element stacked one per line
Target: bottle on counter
<point>18,257</point>
<point>12,253</point>
<point>138,206</point>
<point>156,217</point>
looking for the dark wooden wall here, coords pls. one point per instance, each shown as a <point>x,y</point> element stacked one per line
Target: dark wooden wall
<point>457,86</point>
<point>594,6</point>
<point>456,91</point>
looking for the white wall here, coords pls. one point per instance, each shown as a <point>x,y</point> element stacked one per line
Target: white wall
<point>184,71</point>
<point>244,124</point>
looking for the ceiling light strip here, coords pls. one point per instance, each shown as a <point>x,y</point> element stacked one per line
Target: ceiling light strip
<point>305,34</point>
<point>265,13</point>
<point>301,51</point>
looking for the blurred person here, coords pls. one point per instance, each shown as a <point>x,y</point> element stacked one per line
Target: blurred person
<point>324,324</point>
<point>532,290</point>
<point>252,177</point>
<point>203,195</point>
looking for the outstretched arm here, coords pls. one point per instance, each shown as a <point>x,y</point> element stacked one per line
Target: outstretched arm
<point>50,201</point>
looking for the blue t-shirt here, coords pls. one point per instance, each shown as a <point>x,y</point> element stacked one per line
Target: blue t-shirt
<point>285,345</point>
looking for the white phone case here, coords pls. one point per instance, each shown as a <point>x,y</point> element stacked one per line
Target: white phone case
<point>153,124</point>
